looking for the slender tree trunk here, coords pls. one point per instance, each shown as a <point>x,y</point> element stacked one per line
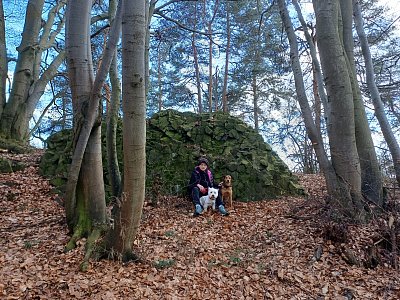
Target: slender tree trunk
<point>210,67</point>
<point>3,60</point>
<point>196,65</point>
<point>315,61</point>
<point>197,71</point>
<point>373,89</point>
<point>210,53</point>
<point>159,80</point>
<point>150,6</point>
<point>226,70</point>
<point>127,215</point>
<point>216,87</point>
<point>112,118</point>
<point>255,98</point>
<point>371,177</point>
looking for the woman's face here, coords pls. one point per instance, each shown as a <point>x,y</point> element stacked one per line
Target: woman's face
<point>203,166</point>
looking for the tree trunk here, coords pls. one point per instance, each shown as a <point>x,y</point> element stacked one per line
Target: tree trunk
<point>371,177</point>
<point>373,89</point>
<point>112,118</point>
<point>210,53</point>
<point>196,65</point>
<point>341,121</point>
<point>3,60</point>
<point>255,98</point>
<point>150,6</point>
<point>210,67</point>
<point>226,70</point>
<point>159,80</point>
<point>197,71</point>
<point>127,215</point>
<point>315,62</point>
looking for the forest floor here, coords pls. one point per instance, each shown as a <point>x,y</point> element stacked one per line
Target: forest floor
<point>264,250</point>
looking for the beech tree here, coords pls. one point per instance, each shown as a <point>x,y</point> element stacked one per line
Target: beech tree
<point>113,109</point>
<point>3,60</point>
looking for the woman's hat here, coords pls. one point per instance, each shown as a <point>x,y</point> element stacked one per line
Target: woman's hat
<point>202,160</point>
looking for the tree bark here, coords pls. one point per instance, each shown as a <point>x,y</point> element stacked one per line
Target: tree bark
<point>371,177</point>
<point>226,70</point>
<point>127,215</point>
<point>150,7</point>
<point>112,117</point>
<point>196,65</point>
<point>255,98</point>
<point>3,60</point>
<point>210,67</point>
<point>373,89</point>
<point>197,72</point>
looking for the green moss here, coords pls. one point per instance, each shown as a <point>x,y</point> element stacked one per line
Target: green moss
<point>5,166</point>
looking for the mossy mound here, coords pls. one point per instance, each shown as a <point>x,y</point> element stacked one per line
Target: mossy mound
<point>175,140</point>
<point>14,146</point>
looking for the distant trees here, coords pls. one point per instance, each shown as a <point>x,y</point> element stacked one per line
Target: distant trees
<point>30,75</point>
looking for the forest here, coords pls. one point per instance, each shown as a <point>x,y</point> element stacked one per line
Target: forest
<point>317,80</point>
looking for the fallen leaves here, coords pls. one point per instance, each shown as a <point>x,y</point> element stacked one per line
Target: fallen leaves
<point>258,252</point>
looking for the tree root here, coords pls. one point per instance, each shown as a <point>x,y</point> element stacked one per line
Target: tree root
<point>78,234</point>
<point>90,247</point>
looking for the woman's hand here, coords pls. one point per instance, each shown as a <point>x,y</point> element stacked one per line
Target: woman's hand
<point>201,188</point>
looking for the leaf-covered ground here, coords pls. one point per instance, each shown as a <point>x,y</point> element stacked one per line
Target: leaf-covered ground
<point>263,250</point>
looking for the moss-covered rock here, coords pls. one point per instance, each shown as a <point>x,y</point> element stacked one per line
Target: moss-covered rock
<point>5,165</point>
<point>175,140</point>
<point>14,146</point>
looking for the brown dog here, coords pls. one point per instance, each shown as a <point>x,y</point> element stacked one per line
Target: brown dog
<point>226,190</point>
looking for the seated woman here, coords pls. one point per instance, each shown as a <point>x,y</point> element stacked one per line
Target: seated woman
<point>199,183</point>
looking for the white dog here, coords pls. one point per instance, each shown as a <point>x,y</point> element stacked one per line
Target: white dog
<point>209,200</point>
